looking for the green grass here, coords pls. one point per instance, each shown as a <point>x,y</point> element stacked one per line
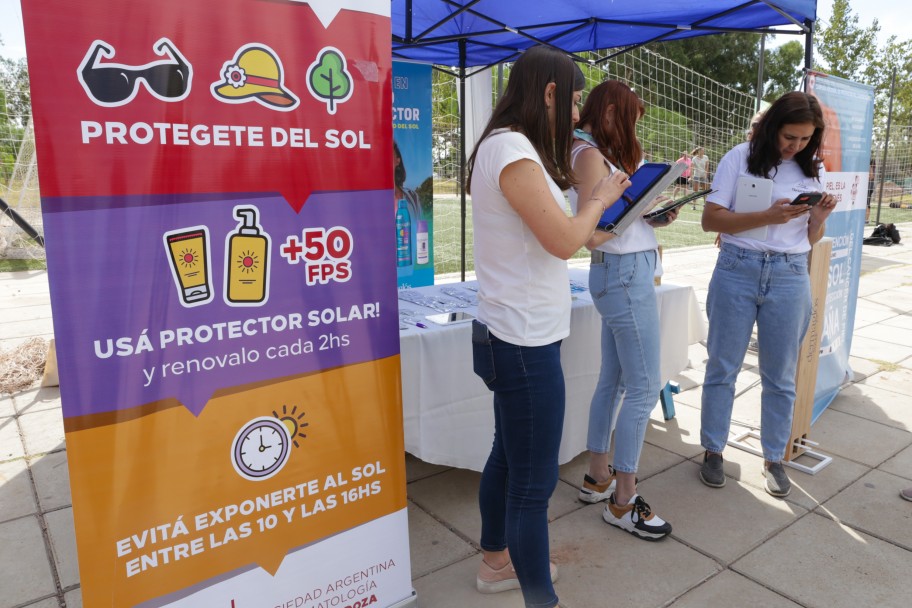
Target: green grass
<point>890,215</point>
<point>447,230</point>
<point>17,265</point>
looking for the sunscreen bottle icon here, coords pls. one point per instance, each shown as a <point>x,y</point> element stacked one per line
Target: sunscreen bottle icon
<point>403,235</point>
<point>421,243</point>
<point>247,261</point>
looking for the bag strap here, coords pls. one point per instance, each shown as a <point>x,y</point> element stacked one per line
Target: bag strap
<point>586,145</point>
<point>884,241</point>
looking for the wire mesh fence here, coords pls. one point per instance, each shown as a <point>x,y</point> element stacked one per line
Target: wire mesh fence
<point>20,209</point>
<point>684,110</point>
<point>891,194</point>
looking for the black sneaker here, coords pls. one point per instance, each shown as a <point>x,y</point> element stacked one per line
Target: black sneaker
<point>711,473</point>
<point>777,482</point>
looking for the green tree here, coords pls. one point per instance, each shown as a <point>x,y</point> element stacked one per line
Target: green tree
<point>851,51</point>
<point>847,49</point>
<point>897,55</point>
<point>730,59</point>
<point>782,69</point>
<point>15,99</point>
<point>15,109</point>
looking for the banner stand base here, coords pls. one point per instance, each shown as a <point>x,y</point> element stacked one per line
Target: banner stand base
<point>409,602</point>
<point>738,441</point>
<point>805,444</point>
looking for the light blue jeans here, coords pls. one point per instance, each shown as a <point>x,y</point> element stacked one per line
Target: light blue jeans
<point>774,290</point>
<point>623,292</point>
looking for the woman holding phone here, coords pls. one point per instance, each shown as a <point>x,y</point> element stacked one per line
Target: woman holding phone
<point>621,281</point>
<point>763,280</point>
<point>522,241</point>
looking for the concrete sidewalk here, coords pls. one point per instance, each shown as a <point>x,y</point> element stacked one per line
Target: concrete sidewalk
<point>843,538</point>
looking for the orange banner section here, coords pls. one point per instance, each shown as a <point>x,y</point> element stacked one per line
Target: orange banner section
<point>168,500</point>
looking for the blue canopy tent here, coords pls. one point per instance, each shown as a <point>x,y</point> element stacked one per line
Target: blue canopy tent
<point>481,33</point>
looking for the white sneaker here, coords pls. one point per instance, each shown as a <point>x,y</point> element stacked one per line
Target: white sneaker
<point>637,518</point>
<point>593,491</point>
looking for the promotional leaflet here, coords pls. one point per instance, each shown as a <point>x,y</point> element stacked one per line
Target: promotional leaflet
<point>214,176</point>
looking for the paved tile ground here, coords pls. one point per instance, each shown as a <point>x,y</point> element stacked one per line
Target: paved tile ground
<point>843,538</point>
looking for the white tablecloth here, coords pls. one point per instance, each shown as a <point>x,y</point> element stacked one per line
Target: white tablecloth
<point>447,409</point>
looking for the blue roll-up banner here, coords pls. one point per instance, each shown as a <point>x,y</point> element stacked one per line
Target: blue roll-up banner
<point>413,174</point>
<point>848,109</point>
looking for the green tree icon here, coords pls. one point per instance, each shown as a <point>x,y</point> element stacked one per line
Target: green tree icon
<point>328,80</point>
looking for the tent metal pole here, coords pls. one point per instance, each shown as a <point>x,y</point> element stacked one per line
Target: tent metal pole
<point>408,21</point>
<point>462,157</point>
<point>26,227</point>
<point>883,163</point>
<point>760,72</point>
<point>809,46</point>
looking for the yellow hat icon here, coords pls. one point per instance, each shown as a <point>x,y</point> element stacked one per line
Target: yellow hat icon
<point>255,74</point>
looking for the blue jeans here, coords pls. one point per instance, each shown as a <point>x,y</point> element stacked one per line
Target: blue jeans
<point>623,292</point>
<point>774,290</point>
<point>521,472</point>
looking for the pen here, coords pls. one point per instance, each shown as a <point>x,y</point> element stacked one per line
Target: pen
<point>411,322</point>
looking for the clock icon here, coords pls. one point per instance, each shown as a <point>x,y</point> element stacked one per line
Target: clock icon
<point>261,448</point>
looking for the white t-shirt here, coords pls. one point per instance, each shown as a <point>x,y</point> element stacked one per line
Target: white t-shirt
<point>523,291</point>
<point>699,167</point>
<point>638,236</point>
<point>788,181</point>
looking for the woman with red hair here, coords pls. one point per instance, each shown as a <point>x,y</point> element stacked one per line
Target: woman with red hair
<point>621,283</point>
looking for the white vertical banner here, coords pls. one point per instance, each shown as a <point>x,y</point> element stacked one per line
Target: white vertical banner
<point>480,102</point>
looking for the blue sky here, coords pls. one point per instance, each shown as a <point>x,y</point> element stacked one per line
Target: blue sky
<point>11,29</point>
<point>893,21</point>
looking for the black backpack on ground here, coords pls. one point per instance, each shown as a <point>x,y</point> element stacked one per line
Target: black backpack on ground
<point>883,234</point>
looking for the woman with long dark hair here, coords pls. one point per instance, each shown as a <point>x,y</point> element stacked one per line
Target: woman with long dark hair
<point>763,280</point>
<point>621,281</point>
<point>400,191</point>
<point>522,241</point>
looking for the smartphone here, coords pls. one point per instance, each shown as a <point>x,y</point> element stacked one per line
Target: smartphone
<point>448,318</point>
<point>808,198</point>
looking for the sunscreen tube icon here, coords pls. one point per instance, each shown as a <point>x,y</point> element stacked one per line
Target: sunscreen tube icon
<point>247,261</point>
<point>188,252</point>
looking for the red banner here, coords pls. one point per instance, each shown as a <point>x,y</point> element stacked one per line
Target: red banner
<point>208,97</point>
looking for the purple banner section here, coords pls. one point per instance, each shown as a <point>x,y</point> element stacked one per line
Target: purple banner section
<point>157,298</point>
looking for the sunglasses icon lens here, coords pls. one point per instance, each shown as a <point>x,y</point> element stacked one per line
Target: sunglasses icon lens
<point>114,84</point>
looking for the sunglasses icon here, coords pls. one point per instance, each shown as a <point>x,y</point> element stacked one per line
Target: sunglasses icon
<point>116,84</point>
